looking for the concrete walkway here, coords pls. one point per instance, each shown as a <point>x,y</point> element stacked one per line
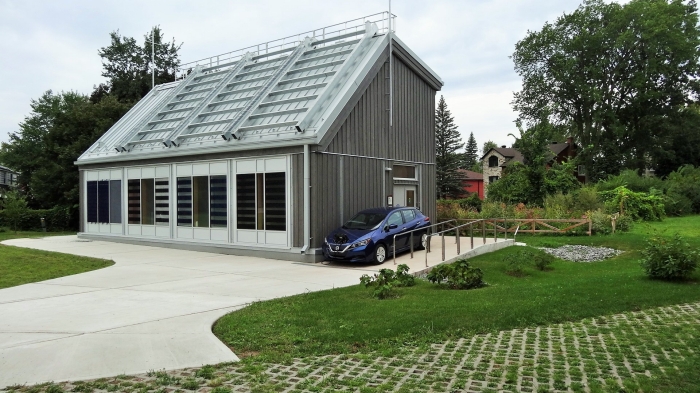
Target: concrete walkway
<point>152,310</point>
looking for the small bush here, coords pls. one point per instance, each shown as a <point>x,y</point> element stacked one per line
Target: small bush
<point>515,263</point>
<point>457,275</point>
<point>602,222</point>
<point>669,259</point>
<point>386,281</point>
<point>542,261</point>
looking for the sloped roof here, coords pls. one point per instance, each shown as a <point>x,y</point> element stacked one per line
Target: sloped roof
<point>470,175</point>
<point>264,96</point>
<point>513,155</point>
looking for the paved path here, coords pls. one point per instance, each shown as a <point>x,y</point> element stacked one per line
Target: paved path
<point>612,353</point>
<point>153,309</point>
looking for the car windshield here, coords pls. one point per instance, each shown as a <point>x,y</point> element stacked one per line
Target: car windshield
<point>365,221</point>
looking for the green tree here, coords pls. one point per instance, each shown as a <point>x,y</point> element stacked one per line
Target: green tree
<point>539,175</point>
<point>59,129</point>
<point>13,206</point>
<point>488,145</point>
<point>471,153</point>
<point>612,73</point>
<point>447,143</point>
<point>127,65</point>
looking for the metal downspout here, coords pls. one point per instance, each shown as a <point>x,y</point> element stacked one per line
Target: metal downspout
<point>307,199</point>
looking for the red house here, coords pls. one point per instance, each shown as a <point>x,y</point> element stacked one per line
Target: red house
<point>472,182</point>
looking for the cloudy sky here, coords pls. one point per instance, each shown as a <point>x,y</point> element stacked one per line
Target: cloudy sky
<point>53,45</point>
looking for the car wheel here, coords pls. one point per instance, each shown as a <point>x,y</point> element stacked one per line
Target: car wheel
<point>380,254</point>
<point>423,241</point>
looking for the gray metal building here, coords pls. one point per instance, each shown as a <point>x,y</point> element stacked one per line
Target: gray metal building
<point>264,150</point>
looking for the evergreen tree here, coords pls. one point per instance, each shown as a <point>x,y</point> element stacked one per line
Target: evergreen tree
<point>447,142</point>
<point>471,154</point>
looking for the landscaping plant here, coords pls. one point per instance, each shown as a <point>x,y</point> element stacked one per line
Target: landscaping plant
<point>386,281</point>
<point>457,275</point>
<point>669,259</point>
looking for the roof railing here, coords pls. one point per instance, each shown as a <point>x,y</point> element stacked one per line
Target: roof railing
<point>281,46</point>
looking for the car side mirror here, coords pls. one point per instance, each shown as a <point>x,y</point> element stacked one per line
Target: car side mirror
<point>393,226</point>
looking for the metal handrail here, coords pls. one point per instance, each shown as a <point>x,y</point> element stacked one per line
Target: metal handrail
<point>273,46</point>
<point>442,223</point>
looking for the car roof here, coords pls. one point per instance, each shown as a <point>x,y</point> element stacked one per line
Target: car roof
<point>385,209</point>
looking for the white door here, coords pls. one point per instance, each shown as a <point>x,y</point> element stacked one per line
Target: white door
<point>405,196</point>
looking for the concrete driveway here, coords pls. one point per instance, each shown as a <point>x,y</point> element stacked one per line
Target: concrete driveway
<point>152,310</point>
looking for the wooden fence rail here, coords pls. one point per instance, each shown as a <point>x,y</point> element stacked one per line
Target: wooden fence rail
<point>532,225</point>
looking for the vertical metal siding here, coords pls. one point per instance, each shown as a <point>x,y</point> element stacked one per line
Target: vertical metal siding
<point>365,132</point>
<point>297,174</point>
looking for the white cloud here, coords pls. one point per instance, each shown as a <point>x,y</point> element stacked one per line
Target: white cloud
<point>53,45</point>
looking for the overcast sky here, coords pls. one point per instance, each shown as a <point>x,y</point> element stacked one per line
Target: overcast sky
<point>53,45</point>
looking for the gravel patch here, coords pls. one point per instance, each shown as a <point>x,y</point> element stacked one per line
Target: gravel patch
<point>582,253</point>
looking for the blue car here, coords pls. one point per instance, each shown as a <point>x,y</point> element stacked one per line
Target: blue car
<point>369,235</point>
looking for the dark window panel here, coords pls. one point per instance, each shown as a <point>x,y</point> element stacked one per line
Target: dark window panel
<point>218,201</point>
<point>245,201</point>
<point>134,210</point>
<point>275,202</point>
<point>92,201</point>
<point>162,205</point>
<point>184,201</point>
<point>115,201</point>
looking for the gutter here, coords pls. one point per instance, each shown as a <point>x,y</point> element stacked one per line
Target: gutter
<point>307,199</point>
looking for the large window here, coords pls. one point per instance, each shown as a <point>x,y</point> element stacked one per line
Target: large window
<point>148,201</point>
<point>261,201</point>
<point>404,172</point>
<point>201,201</point>
<point>104,201</point>
<point>493,161</point>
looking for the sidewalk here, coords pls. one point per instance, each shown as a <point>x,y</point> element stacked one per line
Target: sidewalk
<point>603,353</point>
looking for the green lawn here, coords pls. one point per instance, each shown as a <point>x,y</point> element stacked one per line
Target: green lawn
<point>23,265</point>
<point>347,320</point>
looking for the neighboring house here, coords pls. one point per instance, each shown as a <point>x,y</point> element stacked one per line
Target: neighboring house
<point>264,151</point>
<point>8,179</point>
<point>472,182</point>
<point>498,158</point>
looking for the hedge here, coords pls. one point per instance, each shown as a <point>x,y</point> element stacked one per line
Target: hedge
<point>58,219</point>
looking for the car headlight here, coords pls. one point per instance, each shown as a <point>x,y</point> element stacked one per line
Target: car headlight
<point>360,243</point>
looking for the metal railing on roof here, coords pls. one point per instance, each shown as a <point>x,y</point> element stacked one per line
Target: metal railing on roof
<point>283,45</point>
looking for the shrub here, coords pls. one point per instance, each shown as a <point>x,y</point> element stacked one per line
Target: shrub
<point>638,205</point>
<point>386,281</point>
<point>602,222</point>
<point>457,275</point>
<point>59,218</point>
<point>684,190</point>
<point>542,261</point>
<point>669,259</point>
<point>632,181</point>
<point>516,262</point>
<point>522,257</point>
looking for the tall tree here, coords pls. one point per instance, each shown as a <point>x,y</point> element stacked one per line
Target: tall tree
<point>447,143</point>
<point>127,65</point>
<point>612,73</point>
<point>470,157</point>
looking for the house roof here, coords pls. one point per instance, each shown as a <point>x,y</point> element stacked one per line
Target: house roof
<point>513,155</point>
<point>470,175</point>
<point>282,93</point>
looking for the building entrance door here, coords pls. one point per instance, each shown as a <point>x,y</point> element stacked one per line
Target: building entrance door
<point>405,196</point>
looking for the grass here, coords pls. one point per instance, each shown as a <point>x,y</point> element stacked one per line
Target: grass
<point>348,320</point>
<point>23,265</point>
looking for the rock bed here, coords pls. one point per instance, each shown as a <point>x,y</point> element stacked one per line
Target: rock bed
<point>582,253</point>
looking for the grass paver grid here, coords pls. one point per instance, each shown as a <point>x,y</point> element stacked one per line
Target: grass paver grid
<point>596,354</point>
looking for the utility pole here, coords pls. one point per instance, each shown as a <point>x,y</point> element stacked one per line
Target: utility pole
<point>153,58</point>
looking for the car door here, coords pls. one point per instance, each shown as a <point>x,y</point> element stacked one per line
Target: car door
<point>411,222</point>
<point>395,226</point>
